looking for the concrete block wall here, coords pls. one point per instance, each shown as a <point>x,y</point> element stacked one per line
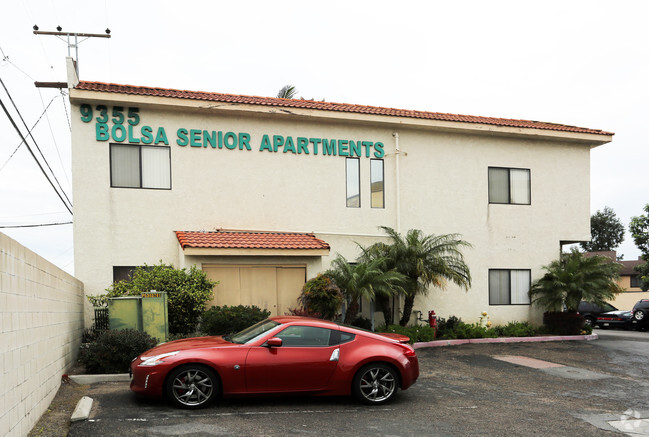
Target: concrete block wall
<point>41,323</point>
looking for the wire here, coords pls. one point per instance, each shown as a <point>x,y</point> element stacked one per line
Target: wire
<point>34,226</point>
<point>34,156</point>
<point>29,132</point>
<point>38,148</point>
<point>56,145</point>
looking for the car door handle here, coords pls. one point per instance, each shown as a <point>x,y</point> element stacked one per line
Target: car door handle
<point>335,355</point>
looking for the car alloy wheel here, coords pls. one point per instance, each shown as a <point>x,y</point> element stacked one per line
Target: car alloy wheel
<point>375,383</point>
<point>192,386</point>
<point>589,321</point>
<point>639,315</point>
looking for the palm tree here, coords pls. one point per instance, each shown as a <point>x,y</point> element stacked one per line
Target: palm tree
<point>425,260</point>
<point>573,278</point>
<point>364,280</point>
<point>287,92</point>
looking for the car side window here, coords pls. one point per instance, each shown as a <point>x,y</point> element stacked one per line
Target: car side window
<point>305,336</point>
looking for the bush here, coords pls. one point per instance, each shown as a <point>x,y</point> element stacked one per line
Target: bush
<point>516,329</point>
<point>187,293</point>
<point>230,319</point>
<point>563,323</point>
<point>321,296</point>
<point>415,333</point>
<point>361,322</point>
<point>114,350</point>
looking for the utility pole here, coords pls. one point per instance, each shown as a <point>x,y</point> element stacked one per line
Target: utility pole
<point>72,39</point>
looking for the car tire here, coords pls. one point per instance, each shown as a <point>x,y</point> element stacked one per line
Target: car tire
<point>375,384</point>
<point>589,321</point>
<point>640,315</point>
<point>192,386</point>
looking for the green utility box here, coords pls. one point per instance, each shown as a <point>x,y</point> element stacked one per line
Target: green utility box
<point>147,313</point>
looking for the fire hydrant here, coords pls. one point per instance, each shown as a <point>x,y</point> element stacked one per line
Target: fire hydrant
<point>432,321</point>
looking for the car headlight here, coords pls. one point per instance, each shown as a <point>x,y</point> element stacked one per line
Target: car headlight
<point>156,359</point>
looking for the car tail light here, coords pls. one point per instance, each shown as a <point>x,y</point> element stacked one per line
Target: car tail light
<point>408,350</point>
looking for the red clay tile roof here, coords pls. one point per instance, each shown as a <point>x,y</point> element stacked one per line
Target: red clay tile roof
<point>249,240</point>
<point>327,106</point>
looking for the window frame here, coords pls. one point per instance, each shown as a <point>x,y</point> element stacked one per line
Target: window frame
<point>509,294</point>
<point>347,184</point>
<point>140,147</point>
<point>382,206</point>
<point>509,182</point>
<point>635,281</point>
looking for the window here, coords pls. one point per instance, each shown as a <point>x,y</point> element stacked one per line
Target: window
<point>509,185</point>
<point>635,281</point>
<point>353,174</point>
<point>123,273</point>
<point>140,166</point>
<point>376,183</point>
<point>509,287</point>
<point>308,336</point>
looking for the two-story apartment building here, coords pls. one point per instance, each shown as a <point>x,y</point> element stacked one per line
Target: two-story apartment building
<point>262,193</point>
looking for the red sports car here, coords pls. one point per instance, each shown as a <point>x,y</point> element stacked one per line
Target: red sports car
<point>278,355</point>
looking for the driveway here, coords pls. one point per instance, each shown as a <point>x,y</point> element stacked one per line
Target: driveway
<point>555,388</point>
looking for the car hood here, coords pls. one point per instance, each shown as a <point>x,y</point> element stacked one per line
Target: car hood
<point>188,343</point>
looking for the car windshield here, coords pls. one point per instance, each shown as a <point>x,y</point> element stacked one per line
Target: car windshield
<point>253,332</point>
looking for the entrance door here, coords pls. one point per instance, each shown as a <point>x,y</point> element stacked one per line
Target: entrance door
<point>275,288</point>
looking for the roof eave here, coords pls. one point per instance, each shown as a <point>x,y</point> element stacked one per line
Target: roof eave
<point>591,139</point>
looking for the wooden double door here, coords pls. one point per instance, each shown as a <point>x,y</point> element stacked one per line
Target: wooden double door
<point>275,288</point>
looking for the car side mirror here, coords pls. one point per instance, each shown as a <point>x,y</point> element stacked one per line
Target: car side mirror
<point>274,342</point>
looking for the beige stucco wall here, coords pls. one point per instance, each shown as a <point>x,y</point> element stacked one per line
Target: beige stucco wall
<point>41,322</point>
<point>441,188</point>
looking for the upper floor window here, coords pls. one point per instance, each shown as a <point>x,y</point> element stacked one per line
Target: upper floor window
<point>509,185</point>
<point>377,183</point>
<point>140,166</point>
<point>509,287</point>
<point>353,176</point>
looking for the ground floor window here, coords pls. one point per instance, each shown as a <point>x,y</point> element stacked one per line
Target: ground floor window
<point>509,287</point>
<point>140,166</point>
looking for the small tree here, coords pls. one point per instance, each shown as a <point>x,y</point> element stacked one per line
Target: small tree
<point>607,231</point>
<point>321,296</point>
<point>287,92</point>
<point>363,280</point>
<point>573,278</point>
<point>187,292</point>
<point>639,228</point>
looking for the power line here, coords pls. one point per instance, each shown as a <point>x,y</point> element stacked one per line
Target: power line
<point>34,226</point>
<point>38,148</point>
<point>13,123</point>
<point>21,143</point>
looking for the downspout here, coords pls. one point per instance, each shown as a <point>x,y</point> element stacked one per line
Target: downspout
<point>397,152</point>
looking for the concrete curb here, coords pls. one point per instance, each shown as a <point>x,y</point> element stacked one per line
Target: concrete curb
<point>440,343</point>
<point>82,410</point>
<point>91,379</point>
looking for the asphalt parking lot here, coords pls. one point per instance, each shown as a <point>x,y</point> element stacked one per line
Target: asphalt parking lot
<point>596,387</point>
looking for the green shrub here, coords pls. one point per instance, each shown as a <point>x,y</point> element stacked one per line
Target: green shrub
<point>361,322</point>
<point>516,329</point>
<point>187,292</point>
<point>230,319</point>
<point>113,351</point>
<point>416,333</point>
<point>322,297</point>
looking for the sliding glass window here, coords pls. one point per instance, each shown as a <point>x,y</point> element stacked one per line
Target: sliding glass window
<point>377,185</point>
<point>353,174</point>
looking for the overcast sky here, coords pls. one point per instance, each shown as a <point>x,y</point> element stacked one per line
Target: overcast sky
<point>583,63</point>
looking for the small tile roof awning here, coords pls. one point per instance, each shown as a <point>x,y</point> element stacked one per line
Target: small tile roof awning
<point>251,243</point>
<point>329,106</point>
